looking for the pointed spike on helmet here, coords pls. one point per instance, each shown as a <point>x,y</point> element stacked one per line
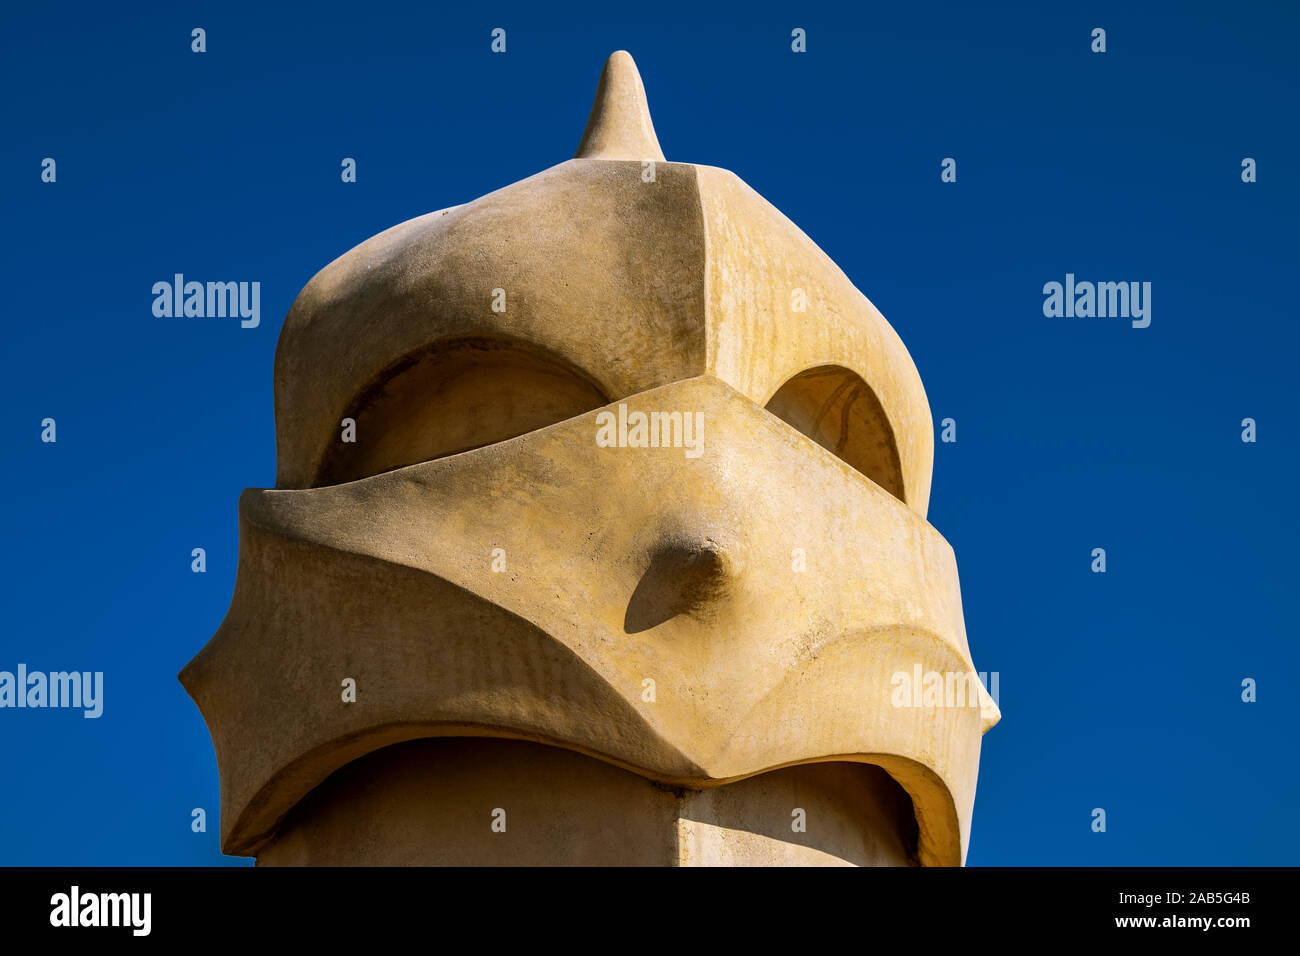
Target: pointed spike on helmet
<point>619,126</point>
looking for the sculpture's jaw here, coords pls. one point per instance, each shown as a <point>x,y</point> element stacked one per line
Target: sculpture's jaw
<point>491,802</point>
<point>694,618</point>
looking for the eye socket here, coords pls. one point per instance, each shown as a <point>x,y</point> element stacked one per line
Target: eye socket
<point>469,393</point>
<point>452,398</point>
<point>838,410</point>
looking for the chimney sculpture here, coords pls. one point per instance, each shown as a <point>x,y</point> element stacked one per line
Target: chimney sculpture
<point>598,537</point>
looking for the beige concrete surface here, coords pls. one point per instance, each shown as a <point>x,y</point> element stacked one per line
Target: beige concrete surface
<point>431,802</point>
<point>684,638</point>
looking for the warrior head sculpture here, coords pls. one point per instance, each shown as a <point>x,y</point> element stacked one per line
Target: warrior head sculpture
<point>598,536</point>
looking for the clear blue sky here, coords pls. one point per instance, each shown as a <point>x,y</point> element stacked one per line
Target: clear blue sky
<point>1119,690</point>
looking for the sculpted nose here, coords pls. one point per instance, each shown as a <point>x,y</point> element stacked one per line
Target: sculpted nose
<point>685,576</point>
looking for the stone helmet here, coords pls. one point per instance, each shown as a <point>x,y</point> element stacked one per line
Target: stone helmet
<point>615,469</point>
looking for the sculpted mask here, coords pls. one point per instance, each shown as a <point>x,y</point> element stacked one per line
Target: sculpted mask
<point>607,494</point>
